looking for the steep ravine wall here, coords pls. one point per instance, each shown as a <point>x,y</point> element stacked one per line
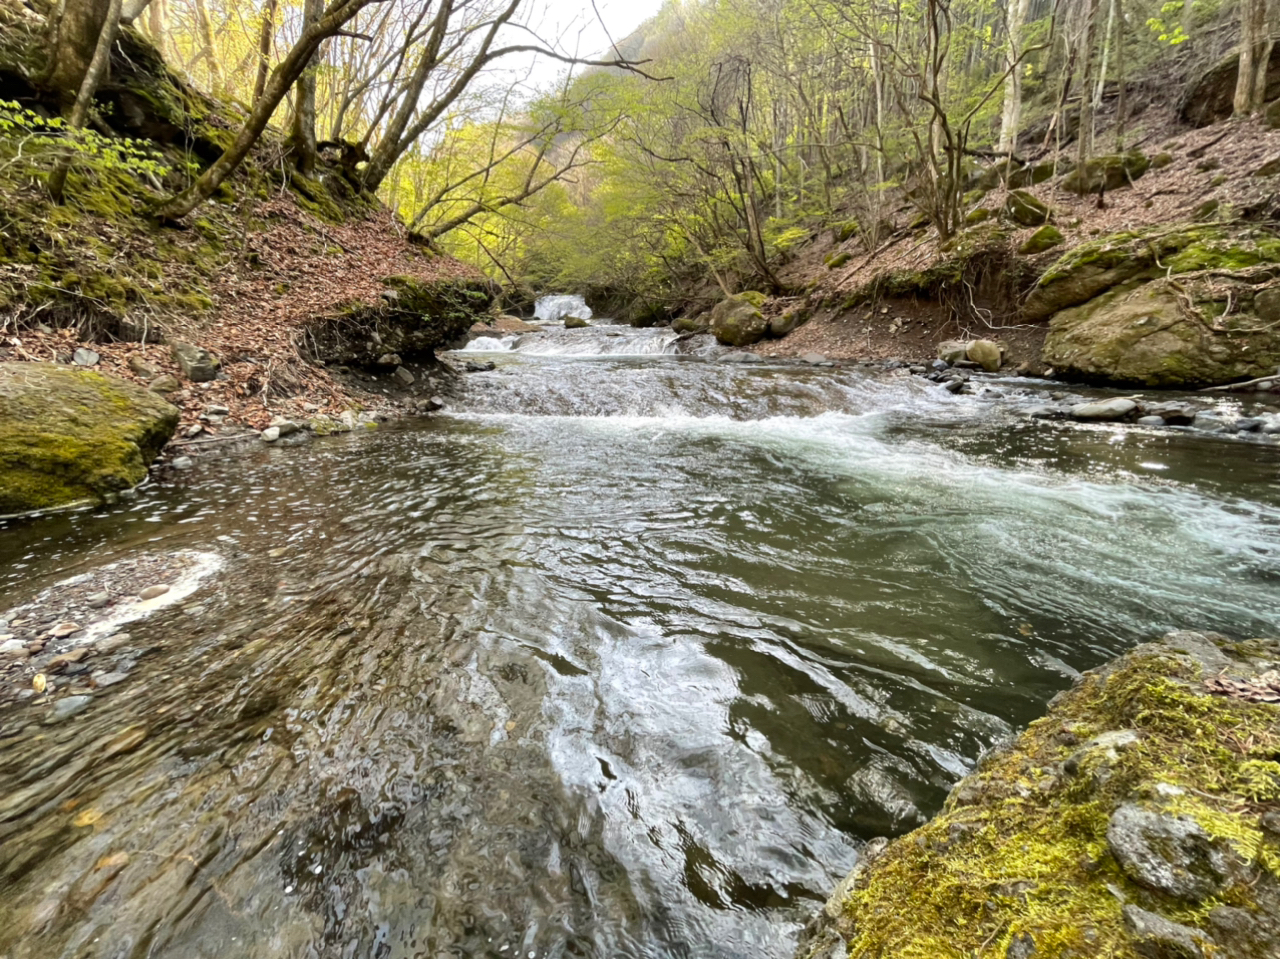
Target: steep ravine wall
<point>1139,818</point>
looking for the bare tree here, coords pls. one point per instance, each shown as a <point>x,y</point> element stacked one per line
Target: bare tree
<point>1255,55</point>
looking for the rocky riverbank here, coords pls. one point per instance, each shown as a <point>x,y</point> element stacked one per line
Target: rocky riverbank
<point>1139,818</point>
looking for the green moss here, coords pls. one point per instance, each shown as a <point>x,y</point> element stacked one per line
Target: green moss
<point>837,260</point>
<point>846,230</point>
<point>754,297</point>
<point>1020,849</point>
<point>69,436</point>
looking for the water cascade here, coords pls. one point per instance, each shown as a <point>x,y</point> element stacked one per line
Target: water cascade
<point>552,308</point>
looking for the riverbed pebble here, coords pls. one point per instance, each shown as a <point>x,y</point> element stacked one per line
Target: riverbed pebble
<point>271,434</point>
<point>151,592</point>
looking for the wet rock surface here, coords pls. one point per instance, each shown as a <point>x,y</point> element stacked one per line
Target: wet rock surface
<point>1184,824</point>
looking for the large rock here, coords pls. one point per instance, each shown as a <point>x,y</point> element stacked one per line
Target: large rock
<point>1022,207</point>
<point>737,320</point>
<point>1097,831</point>
<point>1153,335</point>
<point>1210,98</point>
<point>73,436</point>
<point>949,351</point>
<point>1107,172</point>
<point>413,318</point>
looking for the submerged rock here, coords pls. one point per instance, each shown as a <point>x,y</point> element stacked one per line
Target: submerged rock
<point>71,436</point>
<point>737,320</point>
<point>575,323</point>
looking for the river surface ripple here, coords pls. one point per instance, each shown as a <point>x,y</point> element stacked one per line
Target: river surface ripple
<point>624,657</point>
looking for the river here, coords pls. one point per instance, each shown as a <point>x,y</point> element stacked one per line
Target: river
<point>623,656</point>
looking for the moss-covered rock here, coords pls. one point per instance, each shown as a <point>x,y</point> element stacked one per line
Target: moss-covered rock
<point>1165,333</point>
<point>737,320</point>
<point>699,323</point>
<point>1045,238</point>
<point>839,259</point>
<point>413,319</point>
<point>1026,209</point>
<point>72,436</point>
<point>1141,811</point>
<point>1095,267</point>
<point>1107,172</point>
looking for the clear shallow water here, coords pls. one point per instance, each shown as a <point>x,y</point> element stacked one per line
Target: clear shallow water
<point>624,657</point>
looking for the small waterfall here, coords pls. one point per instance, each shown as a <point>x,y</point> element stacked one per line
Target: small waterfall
<point>557,307</point>
<point>590,341</point>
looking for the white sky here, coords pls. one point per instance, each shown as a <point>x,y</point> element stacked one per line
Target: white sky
<point>575,21</point>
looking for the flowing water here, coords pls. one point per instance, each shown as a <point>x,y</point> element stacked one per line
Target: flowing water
<point>623,657</point>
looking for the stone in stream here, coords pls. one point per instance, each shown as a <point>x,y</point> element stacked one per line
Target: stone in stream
<point>270,434</point>
<point>813,359</point>
<point>1173,414</point>
<point>103,680</point>
<point>285,427</point>
<point>1103,410</point>
<point>151,592</point>
<point>740,356</point>
<point>97,600</point>
<point>480,366</point>
<point>575,322</point>
<point>737,320</point>
<point>64,629</point>
<point>12,649</point>
<point>71,436</point>
<point>1150,421</point>
<point>67,707</point>
<point>183,463</point>
<point>403,376</point>
<point>1248,424</point>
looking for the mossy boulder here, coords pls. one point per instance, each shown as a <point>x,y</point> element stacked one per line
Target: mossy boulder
<point>737,320</point>
<point>1093,268</point>
<point>72,436</point>
<point>1036,173</point>
<point>981,215</point>
<point>699,323</point>
<point>1026,209</point>
<point>575,323</point>
<point>787,321</point>
<point>1107,172</point>
<point>837,260</point>
<point>1166,333</point>
<point>1045,238</point>
<point>1140,813</point>
<point>412,318</point>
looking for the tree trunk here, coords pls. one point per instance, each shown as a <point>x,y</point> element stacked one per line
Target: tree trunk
<point>1084,136</point>
<point>75,36</point>
<point>158,25</point>
<point>264,47</point>
<point>95,72</point>
<point>210,53</point>
<point>282,78</point>
<point>1255,52</point>
<point>1011,114</point>
<point>302,138</point>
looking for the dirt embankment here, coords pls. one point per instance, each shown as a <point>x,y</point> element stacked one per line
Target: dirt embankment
<point>913,291</point>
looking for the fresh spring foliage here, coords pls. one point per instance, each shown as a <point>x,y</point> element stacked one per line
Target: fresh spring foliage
<point>30,140</point>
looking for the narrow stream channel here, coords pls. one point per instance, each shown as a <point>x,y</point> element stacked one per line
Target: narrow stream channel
<point>622,657</point>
